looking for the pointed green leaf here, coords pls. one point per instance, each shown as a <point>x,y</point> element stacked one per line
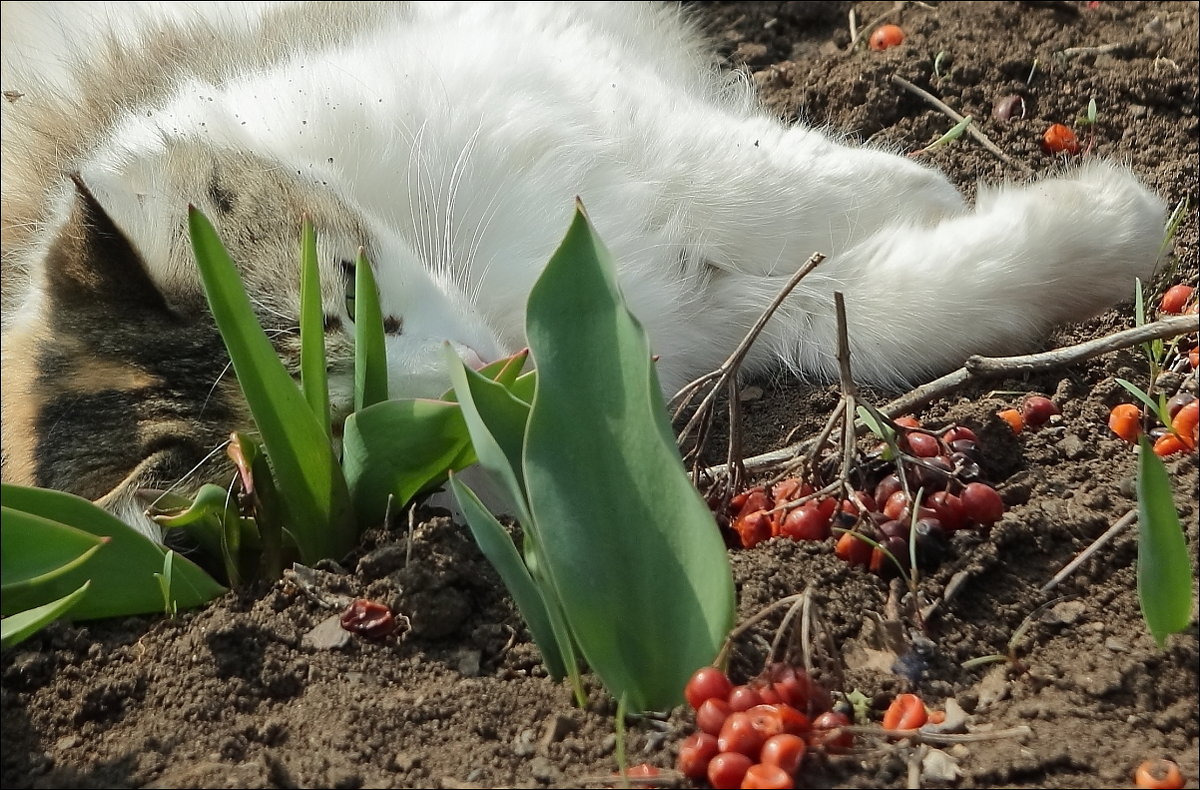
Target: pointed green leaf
<point>630,546</point>
<point>496,544</point>
<point>1164,570</point>
<point>122,573</point>
<point>314,378</point>
<point>306,469</point>
<point>22,625</point>
<point>370,356</point>
<point>494,429</point>
<point>37,549</point>
<point>504,371</point>
<point>403,448</point>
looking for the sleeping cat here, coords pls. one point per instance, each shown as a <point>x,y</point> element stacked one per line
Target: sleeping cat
<point>450,140</point>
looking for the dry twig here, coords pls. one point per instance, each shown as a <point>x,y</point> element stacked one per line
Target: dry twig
<point>725,377</point>
<point>980,367</point>
<point>1120,526</point>
<point>946,109</point>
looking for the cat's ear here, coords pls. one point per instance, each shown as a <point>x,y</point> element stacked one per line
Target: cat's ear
<point>92,262</point>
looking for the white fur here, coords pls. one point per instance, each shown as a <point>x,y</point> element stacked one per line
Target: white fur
<point>462,132</point>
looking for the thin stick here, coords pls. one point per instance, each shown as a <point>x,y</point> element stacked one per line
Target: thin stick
<point>750,623</point>
<point>1071,52</point>
<point>728,369</point>
<point>922,736</point>
<point>983,139</point>
<point>982,367</point>
<point>1059,357</point>
<point>785,625</point>
<point>1120,526</point>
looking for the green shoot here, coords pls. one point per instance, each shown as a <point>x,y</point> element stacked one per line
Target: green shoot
<point>953,134</point>
<point>314,378</point>
<point>1164,572</point>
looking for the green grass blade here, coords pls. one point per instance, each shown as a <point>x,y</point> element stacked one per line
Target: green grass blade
<point>496,544</point>
<point>632,549</point>
<point>370,355</point>
<point>165,582</point>
<point>122,574</point>
<point>306,470</point>
<point>314,377</point>
<point>37,549</point>
<point>1164,570</point>
<point>16,629</point>
<point>1159,409</point>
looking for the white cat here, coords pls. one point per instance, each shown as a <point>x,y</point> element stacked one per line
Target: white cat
<point>450,139</point>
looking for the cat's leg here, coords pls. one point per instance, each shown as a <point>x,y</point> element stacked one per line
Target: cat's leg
<point>921,298</point>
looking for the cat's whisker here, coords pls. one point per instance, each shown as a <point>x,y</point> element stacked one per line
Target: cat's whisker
<point>450,230</point>
<point>195,468</point>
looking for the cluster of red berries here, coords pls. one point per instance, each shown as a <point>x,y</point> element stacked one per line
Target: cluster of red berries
<point>877,522</point>
<point>756,735</point>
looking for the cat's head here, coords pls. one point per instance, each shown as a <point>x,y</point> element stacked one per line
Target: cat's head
<point>115,377</point>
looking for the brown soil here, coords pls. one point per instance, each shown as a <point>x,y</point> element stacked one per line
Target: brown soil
<point>232,696</point>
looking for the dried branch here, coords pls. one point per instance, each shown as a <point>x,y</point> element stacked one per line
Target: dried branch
<point>982,367</point>
<point>946,109</point>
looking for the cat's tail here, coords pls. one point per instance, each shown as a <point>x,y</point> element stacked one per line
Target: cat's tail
<point>920,299</point>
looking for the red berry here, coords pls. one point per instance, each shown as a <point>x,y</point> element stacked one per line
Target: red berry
<point>744,698</point>
<point>896,506</point>
<point>752,528</point>
<point>738,734</point>
<point>711,715</point>
<point>706,683</point>
<point>1175,298</point>
<point>369,619</point>
<point>923,445</point>
<point>642,771</point>
<point>982,504</point>
<point>959,433</point>
<point>727,769</point>
<point>767,777</point>
<point>949,510</point>
<point>785,750</point>
<point>767,720</point>
<point>827,733</point>
<point>806,522</point>
<point>795,722</point>
<point>886,487</point>
<point>695,753</point>
<point>1037,410</point>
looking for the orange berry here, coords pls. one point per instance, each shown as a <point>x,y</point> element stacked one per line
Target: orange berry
<point>761,776</point>
<point>1194,358</point>
<point>1186,424</point>
<point>1168,444</point>
<point>937,716</point>
<point>1158,775</point>
<point>907,712</point>
<point>1125,420</point>
<point>1176,298</point>
<point>1059,139</point>
<point>1013,418</point>
<point>886,36</point>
